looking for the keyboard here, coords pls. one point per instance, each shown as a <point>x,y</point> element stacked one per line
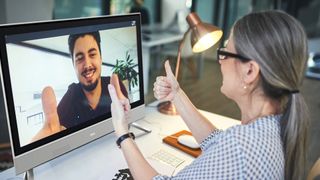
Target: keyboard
<point>167,158</point>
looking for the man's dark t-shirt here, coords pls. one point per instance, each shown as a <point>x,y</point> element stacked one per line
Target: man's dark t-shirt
<point>74,109</point>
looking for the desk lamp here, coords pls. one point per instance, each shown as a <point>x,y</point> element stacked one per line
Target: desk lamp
<point>203,36</point>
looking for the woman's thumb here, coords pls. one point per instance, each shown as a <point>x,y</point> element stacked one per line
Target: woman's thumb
<point>168,69</point>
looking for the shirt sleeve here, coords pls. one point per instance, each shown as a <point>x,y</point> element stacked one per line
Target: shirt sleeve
<point>161,177</point>
<point>221,159</point>
<point>253,151</point>
<point>210,139</point>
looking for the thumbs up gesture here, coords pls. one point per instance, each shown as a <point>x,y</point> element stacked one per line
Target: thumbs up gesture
<point>120,107</point>
<point>51,123</point>
<point>166,87</point>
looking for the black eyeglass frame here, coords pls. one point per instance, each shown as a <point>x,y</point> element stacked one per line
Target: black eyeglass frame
<point>229,54</point>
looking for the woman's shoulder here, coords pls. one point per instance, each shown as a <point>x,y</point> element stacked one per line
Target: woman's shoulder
<point>259,140</point>
<point>261,126</point>
<point>262,131</point>
<point>252,146</point>
<point>259,135</point>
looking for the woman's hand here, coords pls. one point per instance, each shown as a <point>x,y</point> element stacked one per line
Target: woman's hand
<point>114,80</point>
<point>166,87</point>
<point>119,111</point>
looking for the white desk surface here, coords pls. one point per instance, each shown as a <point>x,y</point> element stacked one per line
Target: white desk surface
<point>101,159</point>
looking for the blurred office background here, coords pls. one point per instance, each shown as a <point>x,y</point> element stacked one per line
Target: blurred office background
<point>202,84</point>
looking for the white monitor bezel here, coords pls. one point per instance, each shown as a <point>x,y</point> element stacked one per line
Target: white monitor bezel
<point>58,144</point>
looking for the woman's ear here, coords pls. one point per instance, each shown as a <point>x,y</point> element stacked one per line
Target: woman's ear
<point>251,72</point>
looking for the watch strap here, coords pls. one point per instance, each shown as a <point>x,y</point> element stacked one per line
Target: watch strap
<point>123,137</point>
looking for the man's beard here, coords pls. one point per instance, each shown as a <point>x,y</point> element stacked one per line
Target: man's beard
<point>90,87</point>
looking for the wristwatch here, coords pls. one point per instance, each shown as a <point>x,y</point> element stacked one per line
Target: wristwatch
<point>123,137</point>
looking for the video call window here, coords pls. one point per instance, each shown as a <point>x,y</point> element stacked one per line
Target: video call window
<point>43,62</point>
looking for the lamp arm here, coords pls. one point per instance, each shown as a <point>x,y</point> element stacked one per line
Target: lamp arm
<point>179,52</point>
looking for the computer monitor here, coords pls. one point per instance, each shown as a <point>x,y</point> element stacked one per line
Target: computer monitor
<point>36,55</point>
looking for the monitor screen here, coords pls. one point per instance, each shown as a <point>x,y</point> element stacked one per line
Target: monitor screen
<point>55,76</point>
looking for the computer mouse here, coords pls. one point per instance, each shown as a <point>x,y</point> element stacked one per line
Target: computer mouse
<point>189,141</point>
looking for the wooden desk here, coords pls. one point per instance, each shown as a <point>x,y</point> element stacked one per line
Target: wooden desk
<point>101,159</point>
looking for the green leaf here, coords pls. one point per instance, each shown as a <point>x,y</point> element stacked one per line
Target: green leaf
<point>125,69</point>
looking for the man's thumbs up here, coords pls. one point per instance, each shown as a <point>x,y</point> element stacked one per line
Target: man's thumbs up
<point>51,123</point>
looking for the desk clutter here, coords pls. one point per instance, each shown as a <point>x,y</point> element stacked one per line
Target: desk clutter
<point>123,174</point>
<point>172,141</point>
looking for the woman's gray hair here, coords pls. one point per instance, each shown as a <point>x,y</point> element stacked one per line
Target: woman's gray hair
<point>278,43</point>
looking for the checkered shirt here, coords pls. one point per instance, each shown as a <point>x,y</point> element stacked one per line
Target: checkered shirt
<point>252,151</point>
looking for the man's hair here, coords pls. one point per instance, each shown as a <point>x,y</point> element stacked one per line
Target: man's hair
<point>73,37</point>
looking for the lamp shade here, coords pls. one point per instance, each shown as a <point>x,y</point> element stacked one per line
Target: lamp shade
<point>203,35</point>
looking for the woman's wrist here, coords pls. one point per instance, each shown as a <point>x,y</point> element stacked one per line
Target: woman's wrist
<point>122,131</point>
<point>123,137</point>
<point>177,96</point>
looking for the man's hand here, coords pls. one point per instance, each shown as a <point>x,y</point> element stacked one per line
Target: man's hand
<point>51,123</point>
<point>166,87</point>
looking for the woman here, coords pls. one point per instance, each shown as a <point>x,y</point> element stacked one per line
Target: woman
<point>262,67</point>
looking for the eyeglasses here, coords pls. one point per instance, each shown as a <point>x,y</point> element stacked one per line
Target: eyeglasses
<point>223,55</point>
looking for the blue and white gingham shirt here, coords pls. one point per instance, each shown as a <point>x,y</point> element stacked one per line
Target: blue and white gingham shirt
<point>253,151</point>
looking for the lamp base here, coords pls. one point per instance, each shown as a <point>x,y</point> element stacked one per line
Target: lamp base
<point>168,108</point>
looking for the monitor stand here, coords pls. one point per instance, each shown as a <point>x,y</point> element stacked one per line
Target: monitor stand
<point>29,175</point>
<point>138,126</point>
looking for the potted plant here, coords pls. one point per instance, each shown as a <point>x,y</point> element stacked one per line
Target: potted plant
<point>125,70</point>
